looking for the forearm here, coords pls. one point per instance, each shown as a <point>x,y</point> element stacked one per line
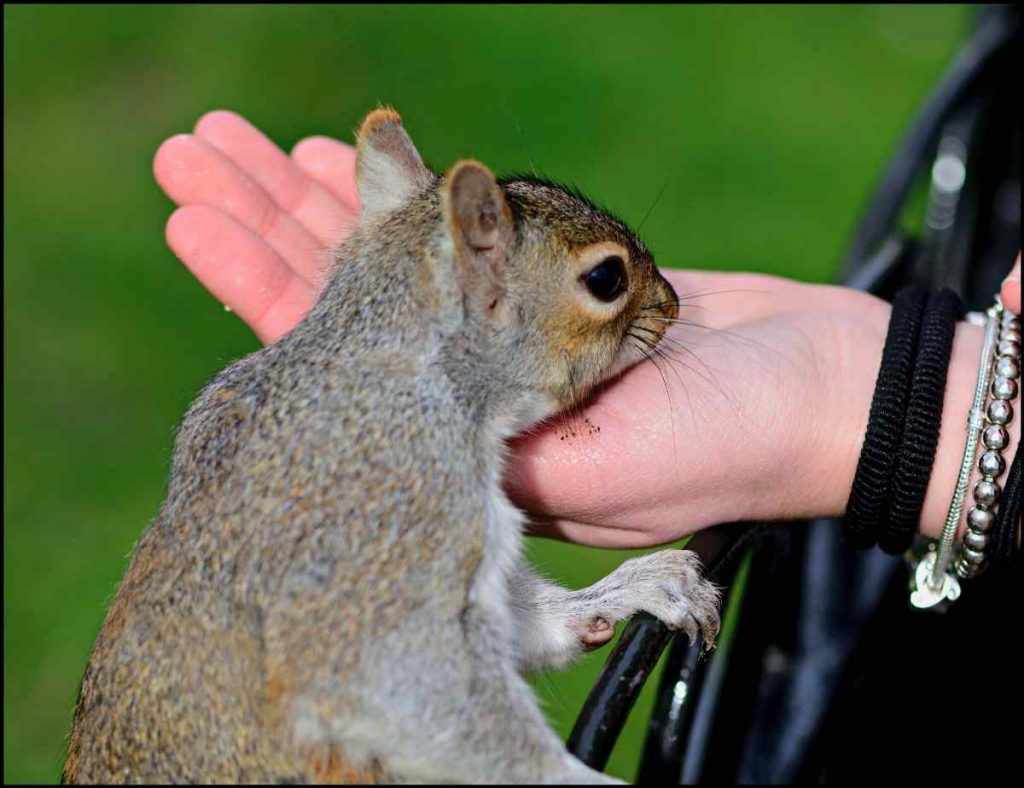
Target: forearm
<point>808,471</point>
<point>759,416</point>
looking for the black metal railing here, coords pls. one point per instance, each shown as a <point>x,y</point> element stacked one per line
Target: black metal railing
<point>965,105</point>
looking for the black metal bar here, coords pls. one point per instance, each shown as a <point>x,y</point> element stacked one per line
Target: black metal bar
<point>681,683</point>
<point>877,259</point>
<point>630,664</point>
<point>761,611</point>
<point>995,32</point>
<point>609,703</point>
<point>967,244</point>
<point>670,742</point>
<point>628,667</point>
<point>681,687</point>
<point>886,269</point>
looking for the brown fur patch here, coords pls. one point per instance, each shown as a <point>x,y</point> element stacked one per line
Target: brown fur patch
<point>381,115</point>
<point>276,689</point>
<point>377,123</point>
<point>327,767</point>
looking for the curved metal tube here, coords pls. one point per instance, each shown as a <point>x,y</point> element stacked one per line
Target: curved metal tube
<point>630,664</point>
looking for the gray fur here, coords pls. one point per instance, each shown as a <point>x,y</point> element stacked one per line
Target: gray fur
<point>333,589</point>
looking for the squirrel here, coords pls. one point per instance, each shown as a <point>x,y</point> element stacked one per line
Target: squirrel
<point>333,589</point>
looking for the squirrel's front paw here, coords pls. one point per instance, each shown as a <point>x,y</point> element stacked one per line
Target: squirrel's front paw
<point>673,590</point>
<point>593,632</point>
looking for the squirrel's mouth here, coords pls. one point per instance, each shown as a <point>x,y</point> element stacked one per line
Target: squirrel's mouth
<point>652,320</point>
<point>645,331</point>
<point>639,343</point>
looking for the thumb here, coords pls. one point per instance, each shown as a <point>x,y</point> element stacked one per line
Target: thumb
<point>1010,291</point>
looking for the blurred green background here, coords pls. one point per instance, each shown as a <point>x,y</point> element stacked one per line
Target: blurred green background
<point>765,126</point>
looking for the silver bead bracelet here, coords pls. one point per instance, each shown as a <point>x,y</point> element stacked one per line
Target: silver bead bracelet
<point>934,581</point>
<point>971,560</point>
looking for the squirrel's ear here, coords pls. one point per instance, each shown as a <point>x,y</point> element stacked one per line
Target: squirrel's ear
<point>389,170</point>
<point>480,224</point>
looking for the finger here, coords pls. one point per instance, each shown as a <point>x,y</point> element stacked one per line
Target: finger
<point>333,164</point>
<point>193,172</point>
<point>1010,291</point>
<point>240,270</point>
<point>316,208</point>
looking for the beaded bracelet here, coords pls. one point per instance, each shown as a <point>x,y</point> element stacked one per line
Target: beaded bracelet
<point>933,581</point>
<point>972,560</point>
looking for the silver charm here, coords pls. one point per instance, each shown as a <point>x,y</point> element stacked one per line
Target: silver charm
<point>923,595</point>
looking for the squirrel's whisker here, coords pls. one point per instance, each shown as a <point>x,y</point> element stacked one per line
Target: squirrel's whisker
<point>678,321</point>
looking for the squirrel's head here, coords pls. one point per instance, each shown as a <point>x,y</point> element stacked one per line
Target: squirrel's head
<point>559,293</point>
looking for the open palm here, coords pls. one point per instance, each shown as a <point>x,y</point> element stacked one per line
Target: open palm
<point>764,379</point>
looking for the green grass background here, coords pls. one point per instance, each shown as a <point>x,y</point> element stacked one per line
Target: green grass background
<point>766,127</point>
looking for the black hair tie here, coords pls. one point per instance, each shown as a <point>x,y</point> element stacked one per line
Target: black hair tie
<point>872,483</point>
<point>916,453</point>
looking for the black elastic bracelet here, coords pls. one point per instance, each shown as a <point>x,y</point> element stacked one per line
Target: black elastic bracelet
<point>916,453</point>
<point>872,483</point>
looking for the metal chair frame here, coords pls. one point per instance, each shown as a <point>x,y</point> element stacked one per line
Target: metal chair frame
<point>692,736</point>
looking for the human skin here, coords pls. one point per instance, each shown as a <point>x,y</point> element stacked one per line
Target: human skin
<point>758,411</point>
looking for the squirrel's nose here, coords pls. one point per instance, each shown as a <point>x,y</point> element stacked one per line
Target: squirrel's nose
<point>670,302</point>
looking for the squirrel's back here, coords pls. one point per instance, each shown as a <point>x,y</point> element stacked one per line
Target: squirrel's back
<point>326,593</point>
<point>304,475</point>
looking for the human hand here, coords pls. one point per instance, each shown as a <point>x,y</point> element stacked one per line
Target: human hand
<point>757,409</point>
<point>253,222</point>
<point>758,413</point>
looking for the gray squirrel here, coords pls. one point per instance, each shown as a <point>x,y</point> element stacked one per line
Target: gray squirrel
<point>333,590</point>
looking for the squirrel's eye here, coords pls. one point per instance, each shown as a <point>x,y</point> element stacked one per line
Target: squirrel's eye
<point>606,281</point>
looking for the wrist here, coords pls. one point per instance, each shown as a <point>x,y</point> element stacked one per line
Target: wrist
<point>858,393</point>
<point>814,456</point>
